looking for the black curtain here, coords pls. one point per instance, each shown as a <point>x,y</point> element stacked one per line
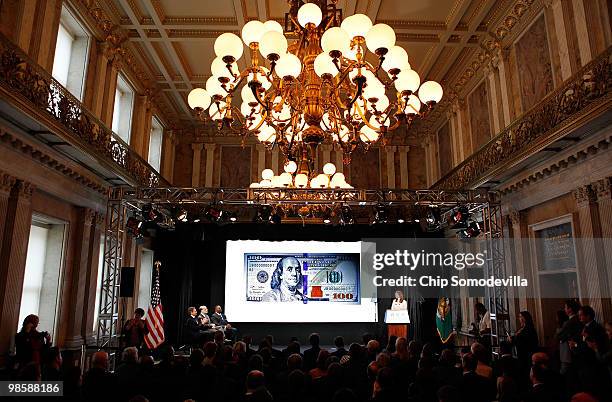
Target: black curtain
<point>193,258</point>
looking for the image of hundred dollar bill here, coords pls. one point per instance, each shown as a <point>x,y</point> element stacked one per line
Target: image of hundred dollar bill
<point>325,277</point>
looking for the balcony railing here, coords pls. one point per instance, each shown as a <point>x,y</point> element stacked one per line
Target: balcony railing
<point>587,93</point>
<point>49,102</point>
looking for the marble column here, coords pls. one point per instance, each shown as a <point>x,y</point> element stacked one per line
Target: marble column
<point>603,191</point>
<point>524,269</point>
<point>168,150</point>
<point>582,31</point>
<point>489,72</point>
<point>196,164</point>
<point>141,126</point>
<point>74,322</point>
<point>390,158</point>
<point>457,131</point>
<point>92,284</point>
<point>594,278</point>
<point>274,161</point>
<point>562,42</point>
<point>261,160</point>
<point>17,223</point>
<point>403,165</point>
<point>339,162</point>
<point>210,160</point>
<point>326,149</point>
<point>108,102</point>
<point>96,83</point>
<point>428,166</point>
<point>506,99</point>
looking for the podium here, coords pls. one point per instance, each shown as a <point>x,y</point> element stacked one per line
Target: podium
<point>397,322</point>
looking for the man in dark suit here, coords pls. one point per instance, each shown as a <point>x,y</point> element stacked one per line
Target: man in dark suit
<point>569,334</point>
<point>507,363</point>
<point>541,390</point>
<point>340,350</point>
<point>311,354</point>
<point>218,318</point>
<point>193,327</point>
<point>474,388</point>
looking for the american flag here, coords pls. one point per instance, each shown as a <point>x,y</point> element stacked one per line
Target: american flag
<point>155,315</point>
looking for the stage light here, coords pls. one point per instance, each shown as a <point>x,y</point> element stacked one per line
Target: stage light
<point>327,215</point>
<point>433,218</point>
<point>213,213</point>
<point>263,214</point>
<point>346,215</point>
<point>181,215</point>
<point>381,214</point>
<point>460,217</point>
<point>149,213</point>
<point>133,226</point>
<point>233,217</point>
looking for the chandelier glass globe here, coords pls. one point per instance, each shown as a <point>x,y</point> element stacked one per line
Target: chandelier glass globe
<point>309,13</point>
<point>430,91</point>
<point>273,43</point>
<point>228,44</point>
<point>396,58</point>
<point>413,105</point>
<point>357,25</point>
<point>335,39</point>
<point>288,65</point>
<point>324,65</point>
<point>198,98</point>
<point>272,25</point>
<point>408,81</point>
<point>290,167</point>
<point>213,87</point>
<point>329,168</point>
<point>252,32</point>
<point>380,36</point>
<point>218,68</point>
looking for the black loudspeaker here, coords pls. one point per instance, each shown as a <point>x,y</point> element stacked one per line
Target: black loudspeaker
<point>126,288</point>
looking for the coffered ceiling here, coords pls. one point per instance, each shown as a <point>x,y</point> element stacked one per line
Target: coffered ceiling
<point>173,39</point>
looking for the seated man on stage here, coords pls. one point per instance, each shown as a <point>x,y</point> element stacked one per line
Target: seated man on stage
<point>207,327</point>
<point>193,326</point>
<point>219,319</point>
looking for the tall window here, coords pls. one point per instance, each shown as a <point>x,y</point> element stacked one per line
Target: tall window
<point>71,50</point>
<point>122,110</point>
<point>155,143</point>
<point>43,273</point>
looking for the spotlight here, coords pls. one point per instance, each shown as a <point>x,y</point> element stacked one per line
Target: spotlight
<point>381,214</point>
<point>149,213</point>
<point>263,214</point>
<point>181,215</point>
<point>233,217</point>
<point>460,217</point>
<point>473,230</point>
<point>133,226</point>
<point>213,213</point>
<point>400,216</point>
<point>346,215</point>
<point>433,218</point>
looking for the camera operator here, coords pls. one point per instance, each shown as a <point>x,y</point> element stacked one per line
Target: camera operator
<point>30,344</point>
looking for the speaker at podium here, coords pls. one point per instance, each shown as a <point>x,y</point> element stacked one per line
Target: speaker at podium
<point>397,322</point>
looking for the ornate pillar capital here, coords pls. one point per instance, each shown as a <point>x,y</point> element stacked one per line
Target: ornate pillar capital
<point>602,188</point>
<point>515,216</point>
<point>197,146</point>
<point>6,182</point>
<point>584,194</point>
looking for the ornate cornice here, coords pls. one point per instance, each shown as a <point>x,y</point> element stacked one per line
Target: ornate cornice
<point>44,158</point>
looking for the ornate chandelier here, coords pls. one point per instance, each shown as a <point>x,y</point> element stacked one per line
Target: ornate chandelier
<point>333,83</point>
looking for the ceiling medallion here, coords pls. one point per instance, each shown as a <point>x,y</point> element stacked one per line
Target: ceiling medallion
<point>342,81</point>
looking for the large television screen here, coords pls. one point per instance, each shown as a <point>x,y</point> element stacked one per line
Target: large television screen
<point>293,281</point>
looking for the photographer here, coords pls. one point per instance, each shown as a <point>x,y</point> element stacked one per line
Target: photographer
<point>30,344</point>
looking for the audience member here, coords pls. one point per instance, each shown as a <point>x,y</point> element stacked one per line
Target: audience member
<point>311,354</point>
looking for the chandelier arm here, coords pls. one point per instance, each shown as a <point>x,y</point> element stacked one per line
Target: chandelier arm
<point>357,94</point>
<point>345,73</point>
<point>257,97</point>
